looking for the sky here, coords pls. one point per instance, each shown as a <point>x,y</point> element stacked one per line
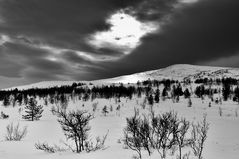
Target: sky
<point>43,40</point>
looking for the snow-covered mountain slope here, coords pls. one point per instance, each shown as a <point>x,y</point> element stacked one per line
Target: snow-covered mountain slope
<point>179,72</point>
<point>176,72</point>
<point>44,84</point>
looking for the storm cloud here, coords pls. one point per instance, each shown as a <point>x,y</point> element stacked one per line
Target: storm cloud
<point>200,33</point>
<point>49,39</point>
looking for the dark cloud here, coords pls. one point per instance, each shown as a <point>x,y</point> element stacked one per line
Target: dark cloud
<point>200,32</point>
<point>60,23</point>
<point>34,64</point>
<point>16,58</point>
<point>109,51</point>
<point>73,57</point>
<point>149,10</point>
<point>21,50</point>
<point>9,66</point>
<point>38,76</point>
<point>48,65</point>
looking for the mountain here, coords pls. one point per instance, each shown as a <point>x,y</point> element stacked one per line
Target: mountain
<point>176,72</point>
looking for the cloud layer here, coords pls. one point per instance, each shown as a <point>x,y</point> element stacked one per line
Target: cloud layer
<point>198,33</point>
<point>50,39</point>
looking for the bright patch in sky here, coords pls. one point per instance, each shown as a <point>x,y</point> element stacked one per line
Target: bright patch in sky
<point>3,39</point>
<point>189,1</point>
<point>56,51</point>
<point>124,34</point>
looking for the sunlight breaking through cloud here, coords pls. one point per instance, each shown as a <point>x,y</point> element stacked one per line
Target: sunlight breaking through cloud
<point>189,1</point>
<point>124,34</point>
<point>4,39</point>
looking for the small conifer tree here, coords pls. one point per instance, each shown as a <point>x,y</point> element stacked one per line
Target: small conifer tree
<point>105,110</point>
<point>33,111</point>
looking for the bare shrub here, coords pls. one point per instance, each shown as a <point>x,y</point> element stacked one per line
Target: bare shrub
<point>164,129</point>
<point>105,110</point>
<point>118,110</point>
<point>75,125</point>
<point>111,108</point>
<point>94,106</point>
<point>199,136</point>
<point>99,144</point>
<point>181,139</point>
<point>165,133</point>
<point>220,111</point>
<point>14,133</point>
<point>47,148</point>
<point>144,103</point>
<point>132,137</point>
<point>4,116</point>
<point>145,133</point>
<point>189,102</point>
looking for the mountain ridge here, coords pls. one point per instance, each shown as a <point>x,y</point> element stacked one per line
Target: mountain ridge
<point>177,72</point>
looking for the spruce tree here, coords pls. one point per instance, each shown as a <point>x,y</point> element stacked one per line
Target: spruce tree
<point>6,101</point>
<point>105,110</point>
<point>226,91</point>
<point>236,94</point>
<point>33,111</point>
<point>187,93</point>
<point>164,93</point>
<point>157,94</point>
<point>151,99</point>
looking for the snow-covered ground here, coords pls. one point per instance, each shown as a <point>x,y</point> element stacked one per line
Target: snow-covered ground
<point>222,141</point>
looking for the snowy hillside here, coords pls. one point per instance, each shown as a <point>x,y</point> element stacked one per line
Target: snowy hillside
<point>44,84</point>
<point>177,72</point>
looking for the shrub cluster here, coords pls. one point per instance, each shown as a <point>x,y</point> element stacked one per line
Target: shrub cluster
<point>163,133</point>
